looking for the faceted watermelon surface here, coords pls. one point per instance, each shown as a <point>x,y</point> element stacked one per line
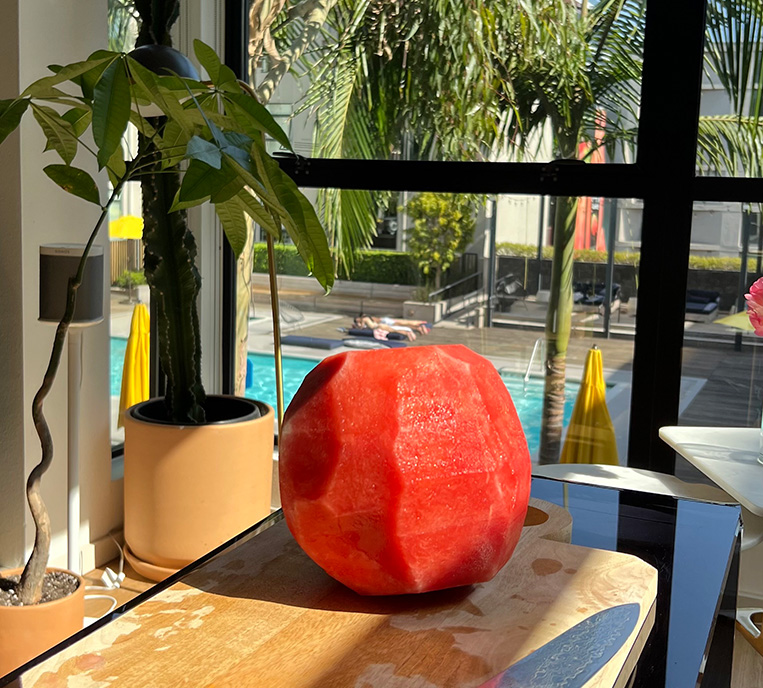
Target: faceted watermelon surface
<point>405,470</point>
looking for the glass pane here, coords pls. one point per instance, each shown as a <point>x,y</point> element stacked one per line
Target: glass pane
<point>721,355</point>
<point>125,229</point>
<point>729,142</point>
<point>493,297</point>
<point>128,289</point>
<point>123,26</point>
<point>453,81</point>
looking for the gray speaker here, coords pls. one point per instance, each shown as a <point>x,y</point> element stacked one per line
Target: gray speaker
<point>59,262</point>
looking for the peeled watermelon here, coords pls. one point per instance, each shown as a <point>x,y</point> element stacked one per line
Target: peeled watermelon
<point>405,470</point>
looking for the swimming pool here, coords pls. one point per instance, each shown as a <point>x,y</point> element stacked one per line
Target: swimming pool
<point>118,347</point>
<point>528,399</point>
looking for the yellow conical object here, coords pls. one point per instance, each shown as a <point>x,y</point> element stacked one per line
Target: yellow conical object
<point>740,321</point>
<point>136,365</point>
<point>591,435</point>
<point>126,227</point>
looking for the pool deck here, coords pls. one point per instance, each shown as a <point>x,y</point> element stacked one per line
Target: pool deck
<point>715,376</point>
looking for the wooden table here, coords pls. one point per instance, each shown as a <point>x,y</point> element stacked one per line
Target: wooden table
<point>259,613</point>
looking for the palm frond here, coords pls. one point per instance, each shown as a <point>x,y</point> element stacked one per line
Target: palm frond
<point>730,145</point>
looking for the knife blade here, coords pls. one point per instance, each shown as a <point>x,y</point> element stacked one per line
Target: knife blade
<point>571,659</point>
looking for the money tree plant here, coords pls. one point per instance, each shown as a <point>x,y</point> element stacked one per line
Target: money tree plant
<point>210,138</point>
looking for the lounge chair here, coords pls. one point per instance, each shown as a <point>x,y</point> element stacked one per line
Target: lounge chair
<point>311,342</point>
<point>366,343</point>
<point>702,305</point>
<point>588,294</point>
<point>509,290</point>
<point>367,332</point>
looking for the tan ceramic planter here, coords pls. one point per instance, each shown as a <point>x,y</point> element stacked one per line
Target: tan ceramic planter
<point>190,488</point>
<point>25,632</point>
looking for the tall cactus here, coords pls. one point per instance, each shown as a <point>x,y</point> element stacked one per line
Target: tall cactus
<point>175,282</point>
<point>170,256</point>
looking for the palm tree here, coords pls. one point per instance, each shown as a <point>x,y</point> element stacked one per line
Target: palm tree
<point>501,72</point>
<point>566,64</point>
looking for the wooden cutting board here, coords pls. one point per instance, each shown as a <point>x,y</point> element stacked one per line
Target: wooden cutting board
<point>263,615</point>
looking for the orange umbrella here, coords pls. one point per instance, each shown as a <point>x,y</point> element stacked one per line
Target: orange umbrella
<point>136,365</point>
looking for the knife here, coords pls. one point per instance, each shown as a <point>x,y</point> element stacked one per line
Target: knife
<point>571,659</point>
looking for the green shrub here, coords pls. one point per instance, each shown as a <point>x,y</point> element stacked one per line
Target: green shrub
<point>623,257</point>
<point>384,267</point>
<point>288,261</point>
<point>130,278</point>
<point>379,267</point>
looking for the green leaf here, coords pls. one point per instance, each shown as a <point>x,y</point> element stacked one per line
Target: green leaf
<point>221,75</point>
<point>200,149</point>
<point>233,219</point>
<point>11,112</point>
<point>172,144</point>
<point>177,204</point>
<point>74,181</point>
<point>142,125</point>
<point>116,167</point>
<point>228,81</point>
<point>259,214</point>
<point>254,118</point>
<point>111,110</point>
<point>201,180</point>
<point>169,103</point>
<point>230,184</point>
<point>79,118</point>
<point>208,59</point>
<point>58,132</point>
<point>70,73</point>
<point>298,217</point>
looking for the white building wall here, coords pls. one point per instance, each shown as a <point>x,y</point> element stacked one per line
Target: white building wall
<point>34,211</point>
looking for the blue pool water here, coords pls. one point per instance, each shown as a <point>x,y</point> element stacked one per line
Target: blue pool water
<point>528,398</point>
<point>118,346</point>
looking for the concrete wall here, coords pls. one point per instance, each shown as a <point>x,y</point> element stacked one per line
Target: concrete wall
<point>34,211</point>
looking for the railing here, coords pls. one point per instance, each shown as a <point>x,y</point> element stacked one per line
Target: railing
<point>540,345</point>
<point>126,254</point>
<point>458,293</point>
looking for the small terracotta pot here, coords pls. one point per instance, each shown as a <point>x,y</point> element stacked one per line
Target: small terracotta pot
<point>25,632</point>
<point>190,488</point>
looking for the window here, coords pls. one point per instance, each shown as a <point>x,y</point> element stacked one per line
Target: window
<point>654,184</point>
<point>128,286</point>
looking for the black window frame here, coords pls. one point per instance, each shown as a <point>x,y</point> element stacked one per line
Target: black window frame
<point>663,175</point>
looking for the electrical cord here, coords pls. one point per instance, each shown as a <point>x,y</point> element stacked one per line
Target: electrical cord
<point>109,581</point>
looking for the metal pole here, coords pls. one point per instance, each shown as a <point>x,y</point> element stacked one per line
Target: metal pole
<point>541,231</point>
<point>276,330</point>
<point>611,224</point>
<point>73,501</point>
<point>742,272</point>
<point>491,262</point>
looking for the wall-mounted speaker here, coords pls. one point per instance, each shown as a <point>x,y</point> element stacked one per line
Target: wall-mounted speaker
<point>58,263</point>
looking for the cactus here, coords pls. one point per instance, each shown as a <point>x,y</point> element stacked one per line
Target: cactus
<point>171,273</point>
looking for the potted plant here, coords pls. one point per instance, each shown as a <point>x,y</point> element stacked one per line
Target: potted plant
<point>207,144</point>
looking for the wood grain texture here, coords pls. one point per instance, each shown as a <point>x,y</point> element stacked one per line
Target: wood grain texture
<point>263,614</point>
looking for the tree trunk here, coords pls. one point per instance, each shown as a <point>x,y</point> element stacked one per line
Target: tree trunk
<point>558,325</point>
<point>244,269</point>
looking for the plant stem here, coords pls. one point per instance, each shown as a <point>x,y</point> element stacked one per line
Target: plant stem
<point>276,328</point>
<point>30,585</point>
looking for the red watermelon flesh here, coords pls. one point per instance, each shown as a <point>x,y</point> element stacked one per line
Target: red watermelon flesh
<point>405,470</point>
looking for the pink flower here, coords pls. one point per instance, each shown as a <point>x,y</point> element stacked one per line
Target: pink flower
<point>755,306</point>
